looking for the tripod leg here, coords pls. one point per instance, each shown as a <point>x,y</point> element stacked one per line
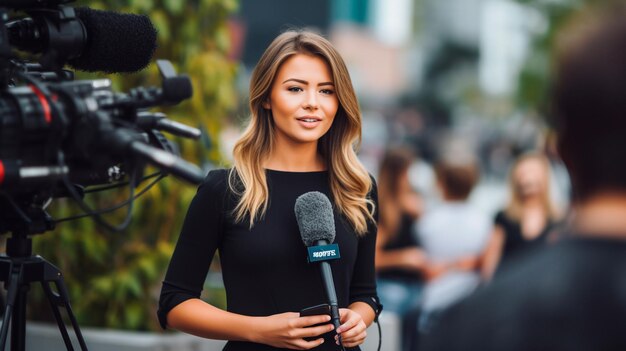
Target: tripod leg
<point>8,311</point>
<point>62,299</point>
<point>18,322</point>
<point>53,299</point>
<point>66,301</point>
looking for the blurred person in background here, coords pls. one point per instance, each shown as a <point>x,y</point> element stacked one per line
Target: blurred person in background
<point>570,295</point>
<point>453,235</point>
<point>399,259</point>
<point>530,215</point>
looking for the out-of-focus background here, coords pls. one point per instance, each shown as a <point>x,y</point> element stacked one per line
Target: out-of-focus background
<point>428,74</point>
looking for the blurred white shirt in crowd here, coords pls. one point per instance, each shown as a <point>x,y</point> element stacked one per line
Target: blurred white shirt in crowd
<point>448,232</point>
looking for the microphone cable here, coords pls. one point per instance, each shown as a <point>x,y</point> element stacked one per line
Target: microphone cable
<point>120,205</point>
<point>120,184</point>
<point>94,214</point>
<point>380,334</point>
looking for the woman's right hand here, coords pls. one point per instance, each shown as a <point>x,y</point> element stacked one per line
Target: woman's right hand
<point>288,330</point>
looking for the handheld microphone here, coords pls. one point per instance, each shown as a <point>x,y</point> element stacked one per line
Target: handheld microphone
<point>316,221</point>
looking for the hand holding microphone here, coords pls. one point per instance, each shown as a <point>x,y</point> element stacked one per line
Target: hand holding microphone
<point>316,221</point>
<point>290,330</point>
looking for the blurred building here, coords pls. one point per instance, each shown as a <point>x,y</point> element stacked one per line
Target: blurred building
<point>265,19</point>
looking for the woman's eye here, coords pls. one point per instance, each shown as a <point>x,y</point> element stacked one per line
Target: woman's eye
<point>294,89</point>
<point>327,91</point>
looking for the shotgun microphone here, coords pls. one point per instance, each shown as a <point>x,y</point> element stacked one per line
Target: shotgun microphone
<point>89,40</point>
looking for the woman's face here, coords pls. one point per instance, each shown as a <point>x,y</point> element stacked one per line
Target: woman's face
<point>302,99</point>
<point>530,177</point>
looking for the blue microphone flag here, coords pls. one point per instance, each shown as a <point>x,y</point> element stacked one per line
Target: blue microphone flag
<point>323,252</point>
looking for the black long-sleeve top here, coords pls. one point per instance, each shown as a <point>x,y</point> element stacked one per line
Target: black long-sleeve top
<point>265,269</point>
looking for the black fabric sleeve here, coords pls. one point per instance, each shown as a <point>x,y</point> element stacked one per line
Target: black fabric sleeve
<point>500,219</point>
<point>363,284</point>
<point>198,240</point>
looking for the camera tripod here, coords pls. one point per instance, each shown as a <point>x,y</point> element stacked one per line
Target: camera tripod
<point>19,268</point>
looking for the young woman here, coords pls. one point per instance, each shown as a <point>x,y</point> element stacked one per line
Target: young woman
<point>304,126</point>
<point>399,259</point>
<point>530,215</point>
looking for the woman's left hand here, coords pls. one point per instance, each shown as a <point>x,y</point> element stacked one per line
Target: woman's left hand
<point>352,329</point>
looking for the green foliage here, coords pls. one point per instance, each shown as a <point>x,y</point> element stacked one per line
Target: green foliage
<point>534,80</point>
<point>114,278</point>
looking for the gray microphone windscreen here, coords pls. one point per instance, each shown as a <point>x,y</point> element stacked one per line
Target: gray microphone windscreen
<point>315,217</point>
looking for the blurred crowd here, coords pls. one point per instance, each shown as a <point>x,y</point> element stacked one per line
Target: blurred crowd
<point>434,249</point>
<point>536,273</point>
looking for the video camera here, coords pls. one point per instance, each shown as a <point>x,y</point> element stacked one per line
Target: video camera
<point>58,135</point>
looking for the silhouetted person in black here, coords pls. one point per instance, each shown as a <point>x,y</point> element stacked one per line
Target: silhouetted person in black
<point>571,295</point>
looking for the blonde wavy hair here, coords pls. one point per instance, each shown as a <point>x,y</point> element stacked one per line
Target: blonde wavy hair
<point>349,181</point>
